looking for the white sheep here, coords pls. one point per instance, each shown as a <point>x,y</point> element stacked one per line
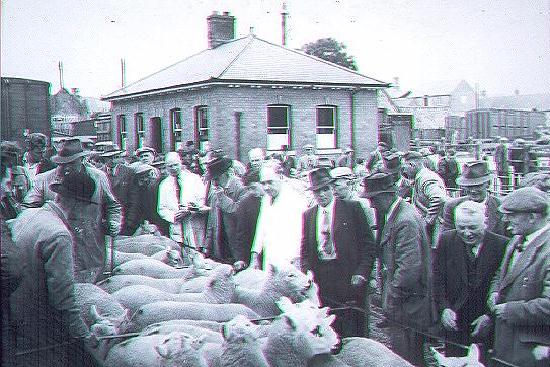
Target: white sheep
<point>88,295</point>
<point>359,352</point>
<point>122,257</point>
<point>117,282</point>
<point>251,278</point>
<point>154,269</point>
<point>145,244</point>
<point>470,360</point>
<point>242,346</point>
<point>169,256</point>
<point>169,310</point>
<point>287,281</point>
<point>220,289</point>
<point>209,336</point>
<point>175,349</point>
<point>165,327</point>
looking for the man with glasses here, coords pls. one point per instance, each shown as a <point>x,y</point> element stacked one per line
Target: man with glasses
<point>474,183</point>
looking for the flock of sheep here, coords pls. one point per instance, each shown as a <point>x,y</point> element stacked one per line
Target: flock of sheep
<point>159,310</point>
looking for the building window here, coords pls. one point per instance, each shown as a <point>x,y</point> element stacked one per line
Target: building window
<point>202,129</point>
<point>278,127</point>
<point>326,127</point>
<point>175,123</point>
<point>122,131</point>
<point>140,129</point>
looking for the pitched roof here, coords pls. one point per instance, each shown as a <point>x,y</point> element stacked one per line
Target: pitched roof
<point>248,59</point>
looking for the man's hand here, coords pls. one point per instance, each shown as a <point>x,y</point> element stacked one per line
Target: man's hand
<point>541,352</point>
<point>498,310</point>
<point>254,261</point>
<point>239,265</point>
<point>480,325</point>
<point>182,214</point>
<point>448,319</point>
<point>357,280</point>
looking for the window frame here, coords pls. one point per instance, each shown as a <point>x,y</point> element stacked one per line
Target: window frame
<point>139,122</point>
<point>272,143</point>
<point>122,124</point>
<point>176,132</point>
<point>334,127</point>
<point>201,114</point>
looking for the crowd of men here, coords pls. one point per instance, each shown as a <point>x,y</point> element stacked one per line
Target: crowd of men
<point>470,268</point>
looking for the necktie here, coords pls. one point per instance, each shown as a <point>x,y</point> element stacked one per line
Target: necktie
<point>518,249</point>
<point>327,246</point>
<point>178,189</point>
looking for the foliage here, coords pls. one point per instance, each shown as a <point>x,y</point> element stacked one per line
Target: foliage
<point>331,50</point>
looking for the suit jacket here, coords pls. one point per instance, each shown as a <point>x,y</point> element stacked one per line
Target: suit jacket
<point>247,214</point>
<point>525,289</point>
<point>406,273</point>
<point>493,216</point>
<point>450,271</point>
<point>353,240</point>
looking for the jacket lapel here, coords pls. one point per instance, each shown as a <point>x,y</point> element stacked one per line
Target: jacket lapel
<point>525,260</point>
<point>389,224</point>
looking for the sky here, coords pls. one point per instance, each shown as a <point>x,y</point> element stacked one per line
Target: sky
<point>499,45</point>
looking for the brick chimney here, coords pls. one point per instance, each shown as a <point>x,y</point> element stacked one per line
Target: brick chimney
<point>221,28</point>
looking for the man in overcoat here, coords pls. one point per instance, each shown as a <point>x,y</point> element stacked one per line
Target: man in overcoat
<point>465,261</point>
<point>521,297</point>
<point>338,246</point>
<point>405,261</point>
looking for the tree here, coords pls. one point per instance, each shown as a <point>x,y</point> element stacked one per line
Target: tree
<point>330,50</point>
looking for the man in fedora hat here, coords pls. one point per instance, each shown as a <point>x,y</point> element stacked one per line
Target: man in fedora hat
<point>226,191</point>
<point>103,215</point>
<point>119,174</point>
<point>520,301</point>
<point>405,263</point>
<point>43,307</point>
<point>338,247</point>
<point>474,183</point>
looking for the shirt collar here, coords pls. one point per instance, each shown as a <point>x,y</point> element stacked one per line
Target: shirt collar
<point>329,207</point>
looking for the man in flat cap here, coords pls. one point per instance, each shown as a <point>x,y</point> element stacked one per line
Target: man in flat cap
<point>474,183</point>
<point>146,155</point>
<point>521,295</point>
<point>405,263</point>
<point>103,215</point>
<point>338,247</point>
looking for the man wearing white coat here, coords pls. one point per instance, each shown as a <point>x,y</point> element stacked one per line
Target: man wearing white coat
<point>181,194</point>
<point>279,228</point>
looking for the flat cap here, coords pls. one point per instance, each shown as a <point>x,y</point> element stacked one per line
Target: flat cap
<point>525,200</point>
<point>411,155</point>
<point>342,172</point>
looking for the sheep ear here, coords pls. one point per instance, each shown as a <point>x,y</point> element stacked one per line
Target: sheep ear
<point>94,314</point>
<point>162,351</point>
<point>473,353</point>
<point>273,269</point>
<point>291,323</point>
<point>284,304</point>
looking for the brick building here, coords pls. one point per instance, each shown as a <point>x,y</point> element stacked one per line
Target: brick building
<point>245,93</point>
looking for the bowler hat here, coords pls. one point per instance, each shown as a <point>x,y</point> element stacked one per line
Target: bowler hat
<point>77,185</point>
<point>145,149</point>
<point>218,166</point>
<point>70,151</point>
<point>319,178</point>
<point>525,200</point>
<point>474,173</point>
<point>378,183</point>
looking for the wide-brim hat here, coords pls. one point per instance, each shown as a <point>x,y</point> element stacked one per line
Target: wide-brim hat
<point>218,166</point>
<point>70,150</point>
<point>378,183</point>
<point>319,178</point>
<point>474,174</point>
<point>111,151</point>
<point>78,185</point>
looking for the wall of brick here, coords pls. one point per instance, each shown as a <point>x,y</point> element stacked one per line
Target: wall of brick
<point>225,103</point>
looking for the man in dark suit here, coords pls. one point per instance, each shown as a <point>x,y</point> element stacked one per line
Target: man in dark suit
<point>338,246</point>
<point>405,262</point>
<point>474,182</point>
<point>521,298</point>
<point>465,261</point>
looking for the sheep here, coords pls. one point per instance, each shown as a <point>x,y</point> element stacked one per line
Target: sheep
<point>209,336</point>
<point>287,281</point>
<point>251,278</point>
<point>165,327</point>
<point>470,360</point>
<point>242,346</point>
<point>117,282</point>
<point>153,268</point>
<point>170,310</point>
<point>359,352</point>
<point>88,295</point>
<point>169,256</point>
<point>301,332</point>
<point>122,257</point>
<point>103,326</point>
<point>195,285</point>
<point>221,289</point>
<point>139,245</point>
<point>175,349</point>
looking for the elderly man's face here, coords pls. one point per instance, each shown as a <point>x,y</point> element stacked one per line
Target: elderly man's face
<point>173,168</point>
<point>519,223</point>
<point>342,188</point>
<point>146,157</point>
<point>272,186</point>
<point>324,195</point>
<point>477,192</point>
<point>470,228</point>
<point>256,161</point>
<point>66,168</point>
<point>37,152</point>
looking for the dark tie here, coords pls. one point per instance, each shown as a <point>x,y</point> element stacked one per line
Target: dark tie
<point>178,188</point>
<point>327,246</point>
<point>381,223</point>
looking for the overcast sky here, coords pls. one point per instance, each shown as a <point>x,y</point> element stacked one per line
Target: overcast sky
<point>502,45</point>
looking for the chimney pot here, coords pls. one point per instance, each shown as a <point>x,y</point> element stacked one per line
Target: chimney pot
<point>221,29</point>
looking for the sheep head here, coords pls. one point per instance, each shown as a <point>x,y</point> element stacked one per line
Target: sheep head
<point>181,349</point>
<point>221,287</point>
<point>240,330</point>
<point>290,282</point>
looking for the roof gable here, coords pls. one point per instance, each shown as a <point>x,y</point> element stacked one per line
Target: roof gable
<point>248,59</point>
